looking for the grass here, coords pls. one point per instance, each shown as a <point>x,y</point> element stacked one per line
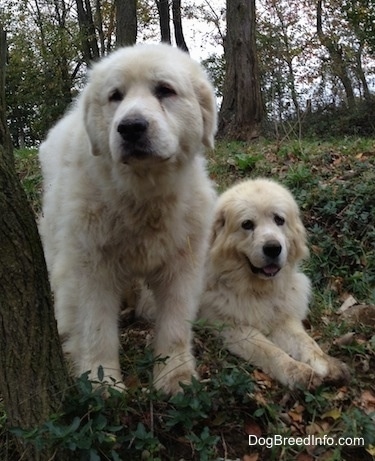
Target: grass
<point>334,184</point>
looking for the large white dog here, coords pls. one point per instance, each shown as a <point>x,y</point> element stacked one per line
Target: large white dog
<point>255,288</point>
<point>126,195</point>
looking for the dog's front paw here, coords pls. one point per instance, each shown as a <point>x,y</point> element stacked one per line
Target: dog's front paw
<point>300,374</point>
<point>338,372</point>
<point>178,368</point>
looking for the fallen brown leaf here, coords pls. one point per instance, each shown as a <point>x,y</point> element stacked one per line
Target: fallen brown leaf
<point>304,457</point>
<point>296,414</point>
<point>262,378</point>
<point>253,457</point>
<point>252,428</point>
<point>367,401</point>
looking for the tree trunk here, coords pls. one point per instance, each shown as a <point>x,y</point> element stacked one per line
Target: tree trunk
<point>126,22</point>
<point>361,75</point>
<point>338,64</point>
<point>177,24</point>
<point>90,49</point>
<point>242,109</point>
<point>164,20</point>
<point>33,376</point>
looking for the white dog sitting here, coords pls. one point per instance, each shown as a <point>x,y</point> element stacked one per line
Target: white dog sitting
<point>255,288</point>
<point>126,195</point>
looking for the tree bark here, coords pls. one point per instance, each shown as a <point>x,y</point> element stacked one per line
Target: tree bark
<point>177,24</point>
<point>33,375</point>
<point>126,22</point>
<point>164,20</point>
<point>90,49</point>
<point>242,108</point>
<point>338,64</point>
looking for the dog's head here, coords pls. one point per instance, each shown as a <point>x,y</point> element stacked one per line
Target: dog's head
<point>149,103</point>
<point>258,226</point>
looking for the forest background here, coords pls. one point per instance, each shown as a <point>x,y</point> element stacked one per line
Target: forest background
<point>295,82</point>
<point>313,58</point>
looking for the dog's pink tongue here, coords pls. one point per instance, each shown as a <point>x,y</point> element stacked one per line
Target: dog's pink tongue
<point>271,269</point>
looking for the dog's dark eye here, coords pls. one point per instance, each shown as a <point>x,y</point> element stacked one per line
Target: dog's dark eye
<point>116,96</point>
<point>279,220</point>
<point>164,90</point>
<point>247,225</point>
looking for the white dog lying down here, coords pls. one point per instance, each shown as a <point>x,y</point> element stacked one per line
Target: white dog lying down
<point>255,288</point>
<point>127,195</point>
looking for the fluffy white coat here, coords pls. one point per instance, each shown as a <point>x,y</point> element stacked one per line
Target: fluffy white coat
<point>255,289</point>
<point>126,195</point>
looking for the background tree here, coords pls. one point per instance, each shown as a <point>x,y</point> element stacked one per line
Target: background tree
<point>90,48</point>
<point>33,376</point>
<point>164,20</point>
<point>126,22</point>
<point>177,25</point>
<point>361,15</point>
<point>336,53</point>
<point>50,49</point>
<point>242,109</point>
<point>43,67</point>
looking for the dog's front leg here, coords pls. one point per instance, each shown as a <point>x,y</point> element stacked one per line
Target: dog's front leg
<point>293,338</point>
<point>176,297</point>
<point>250,344</point>
<point>87,313</point>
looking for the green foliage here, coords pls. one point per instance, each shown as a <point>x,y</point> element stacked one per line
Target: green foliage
<point>359,424</point>
<point>204,444</point>
<point>361,15</point>
<point>42,68</point>
<point>99,422</point>
<point>341,121</point>
<point>28,168</point>
<point>215,67</point>
<point>86,427</point>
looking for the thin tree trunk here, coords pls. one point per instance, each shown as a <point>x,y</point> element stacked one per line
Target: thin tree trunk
<point>361,75</point>
<point>99,26</point>
<point>177,24</point>
<point>242,109</point>
<point>90,49</point>
<point>33,376</point>
<point>164,20</point>
<point>126,22</point>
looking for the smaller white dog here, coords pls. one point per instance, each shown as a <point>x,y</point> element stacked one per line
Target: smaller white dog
<point>255,288</point>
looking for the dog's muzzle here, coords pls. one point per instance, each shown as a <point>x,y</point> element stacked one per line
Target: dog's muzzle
<point>134,135</point>
<point>271,250</point>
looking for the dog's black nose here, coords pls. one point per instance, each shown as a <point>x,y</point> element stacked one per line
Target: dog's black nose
<point>272,249</point>
<point>132,129</point>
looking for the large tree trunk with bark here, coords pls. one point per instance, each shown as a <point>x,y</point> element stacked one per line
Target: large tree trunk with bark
<point>242,108</point>
<point>126,22</point>
<point>33,375</point>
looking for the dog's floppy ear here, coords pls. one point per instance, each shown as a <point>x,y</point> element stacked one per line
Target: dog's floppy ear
<point>218,225</point>
<point>300,250</point>
<point>91,121</point>
<point>207,102</point>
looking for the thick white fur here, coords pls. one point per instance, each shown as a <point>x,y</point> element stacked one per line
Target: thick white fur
<point>261,310</point>
<point>110,215</point>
